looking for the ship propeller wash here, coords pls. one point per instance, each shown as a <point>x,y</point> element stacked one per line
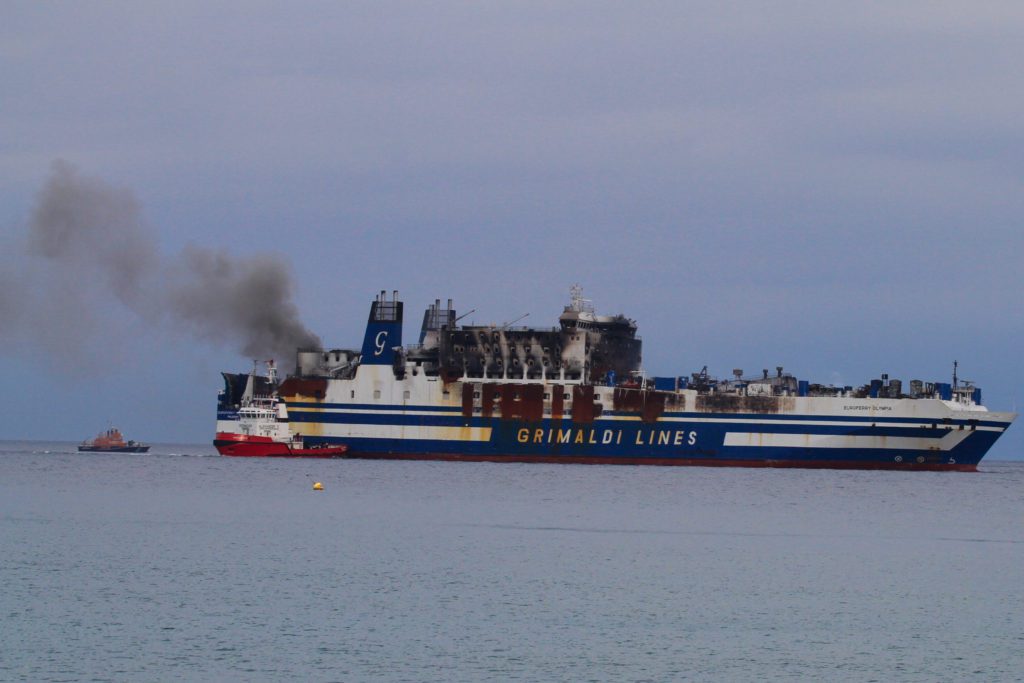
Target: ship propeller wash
<point>576,393</point>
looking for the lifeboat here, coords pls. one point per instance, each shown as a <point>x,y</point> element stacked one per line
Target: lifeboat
<point>111,441</point>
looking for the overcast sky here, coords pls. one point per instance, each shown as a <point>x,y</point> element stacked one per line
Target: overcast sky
<point>831,187</point>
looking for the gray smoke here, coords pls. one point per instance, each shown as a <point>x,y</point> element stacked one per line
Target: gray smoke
<point>83,224</point>
<point>225,299</point>
<point>88,247</point>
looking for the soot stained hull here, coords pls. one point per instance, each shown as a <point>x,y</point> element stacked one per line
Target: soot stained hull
<point>577,394</point>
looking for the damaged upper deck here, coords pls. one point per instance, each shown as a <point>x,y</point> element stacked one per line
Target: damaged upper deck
<point>577,393</point>
<point>585,349</point>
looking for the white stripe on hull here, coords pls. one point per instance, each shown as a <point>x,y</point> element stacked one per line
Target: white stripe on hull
<point>855,424</point>
<point>773,440</point>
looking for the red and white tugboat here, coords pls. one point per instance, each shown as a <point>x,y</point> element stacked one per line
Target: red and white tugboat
<point>263,429</point>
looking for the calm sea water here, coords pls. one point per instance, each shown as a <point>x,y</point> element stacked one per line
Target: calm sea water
<point>184,565</point>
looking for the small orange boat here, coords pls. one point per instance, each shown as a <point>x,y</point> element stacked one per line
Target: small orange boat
<point>111,441</point>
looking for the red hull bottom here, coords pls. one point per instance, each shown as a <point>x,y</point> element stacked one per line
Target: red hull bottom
<point>681,462</point>
<point>240,445</point>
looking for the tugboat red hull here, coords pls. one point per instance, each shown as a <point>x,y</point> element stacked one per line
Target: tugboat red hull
<point>243,445</point>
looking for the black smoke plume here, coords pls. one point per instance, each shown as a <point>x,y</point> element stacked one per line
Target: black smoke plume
<point>88,247</point>
<point>246,301</point>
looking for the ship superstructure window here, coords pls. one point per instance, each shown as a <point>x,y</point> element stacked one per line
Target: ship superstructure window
<point>376,393</point>
<point>406,394</point>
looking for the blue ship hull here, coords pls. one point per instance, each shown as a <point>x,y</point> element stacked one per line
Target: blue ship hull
<point>577,394</point>
<point>675,439</point>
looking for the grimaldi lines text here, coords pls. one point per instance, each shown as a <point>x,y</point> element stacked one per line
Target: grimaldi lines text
<point>576,393</point>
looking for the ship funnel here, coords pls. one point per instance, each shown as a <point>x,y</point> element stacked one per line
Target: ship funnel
<point>434,319</point>
<point>383,331</point>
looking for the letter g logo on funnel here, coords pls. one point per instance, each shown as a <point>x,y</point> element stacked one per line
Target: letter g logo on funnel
<point>379,342</point>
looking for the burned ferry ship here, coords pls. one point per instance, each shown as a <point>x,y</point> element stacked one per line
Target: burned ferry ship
<point>576,394</point>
